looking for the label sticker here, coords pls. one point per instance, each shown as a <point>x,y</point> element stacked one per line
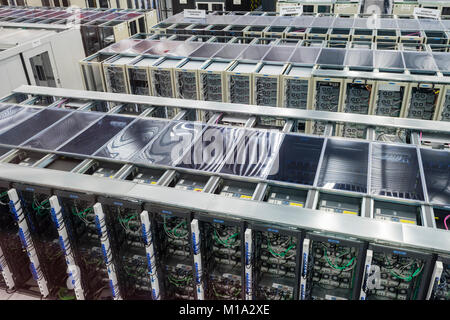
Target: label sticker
<point>196,14</point>
<point>291,10</point>
<point>427,13</point>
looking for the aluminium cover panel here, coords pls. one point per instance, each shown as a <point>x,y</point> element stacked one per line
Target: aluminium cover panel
<point>32,126</point>
<point>11,115</point>
<point>302,21</point>
<point>217,66</point>
<point>254,53</point>
<point>364,23</point>
<point>395,172</point>
<point>169,63</point>
<point>408,24</point>
<point>243,67</point>
<point>255,154</point>
<point>430,24</point>
<point>305,55</point>
<point>387,23</point>
<point>345,166</point>
<point>192,65</point>
<point>230,51</point>
<point>272,69</point>
<point>359,58</point>
<point>323,22</point>
<point>168,147</point>
<point>93,138</point>
<point>446,24</point>
<point>343,23</point>
<point>221,19</point>
<point>419,61</point>
<point>207,50</point>
<point>388,60</point>
<point>283,21</point>
<point>131,140</point>
<point>163,47</point>
<point>279,54</point>
<point>142,46</point>
<point>436,167</point>
<point>145,62</point>
<point>264,21</point>
<point>175,18</point>
<point>247,20</point>
<point>122,60</point>
<point>123,46</point>
<point>184,49</point>
<point>334,57</point>
<point>62,131</point>
<point>442,61</point>
<point>297,159</point>
<point>209,152</point>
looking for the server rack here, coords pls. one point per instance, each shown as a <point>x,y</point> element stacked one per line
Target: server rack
<point>174,254</point>
<point>240,82</point>
<point>272,262</point>
<point>139,82</point>
<point>212,79</point>
<point>220,245</point>
<point>324,279</point>
<point>244,188</point>
<point>92,71</point>
<point>439,287</point>
<point>384,279</point>
<point>358,97</point>
<point>41,240</point>
<point>77,228</point>
<point>326,96</point>
<point>12,255</point>
<point>267,82</point>
<point>128,248</point>
<point>162,77</point>
<point>116,77</point>
<point>296,86</point>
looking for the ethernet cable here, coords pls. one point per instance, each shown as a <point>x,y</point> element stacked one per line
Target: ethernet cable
<point>4,195</point>
<point>226,242</point>
<point>349,266</point>
<point>40,207</point>
<point>173,233</point>
<point>400,275</point>
<point>280,254</point>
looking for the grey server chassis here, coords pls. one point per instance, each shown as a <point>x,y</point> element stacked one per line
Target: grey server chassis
<point>276,248</point>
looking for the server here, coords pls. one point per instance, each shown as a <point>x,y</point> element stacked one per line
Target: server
<point>261,241</point>
<point>356,81</point>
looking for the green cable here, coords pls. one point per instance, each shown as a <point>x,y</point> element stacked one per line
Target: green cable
<point>225,296</point>
<point>176,227</point>
<point>282,254</point>
<point>3,194</point>
<point>173,231</point>
<point>225,243</point>
<point>174,281</point>
<point>127,219</point>
<point>81,213</point>
<point>336,266</point>
<point>408,278</point>
<point>40,207</point>
<point>61,289</point>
